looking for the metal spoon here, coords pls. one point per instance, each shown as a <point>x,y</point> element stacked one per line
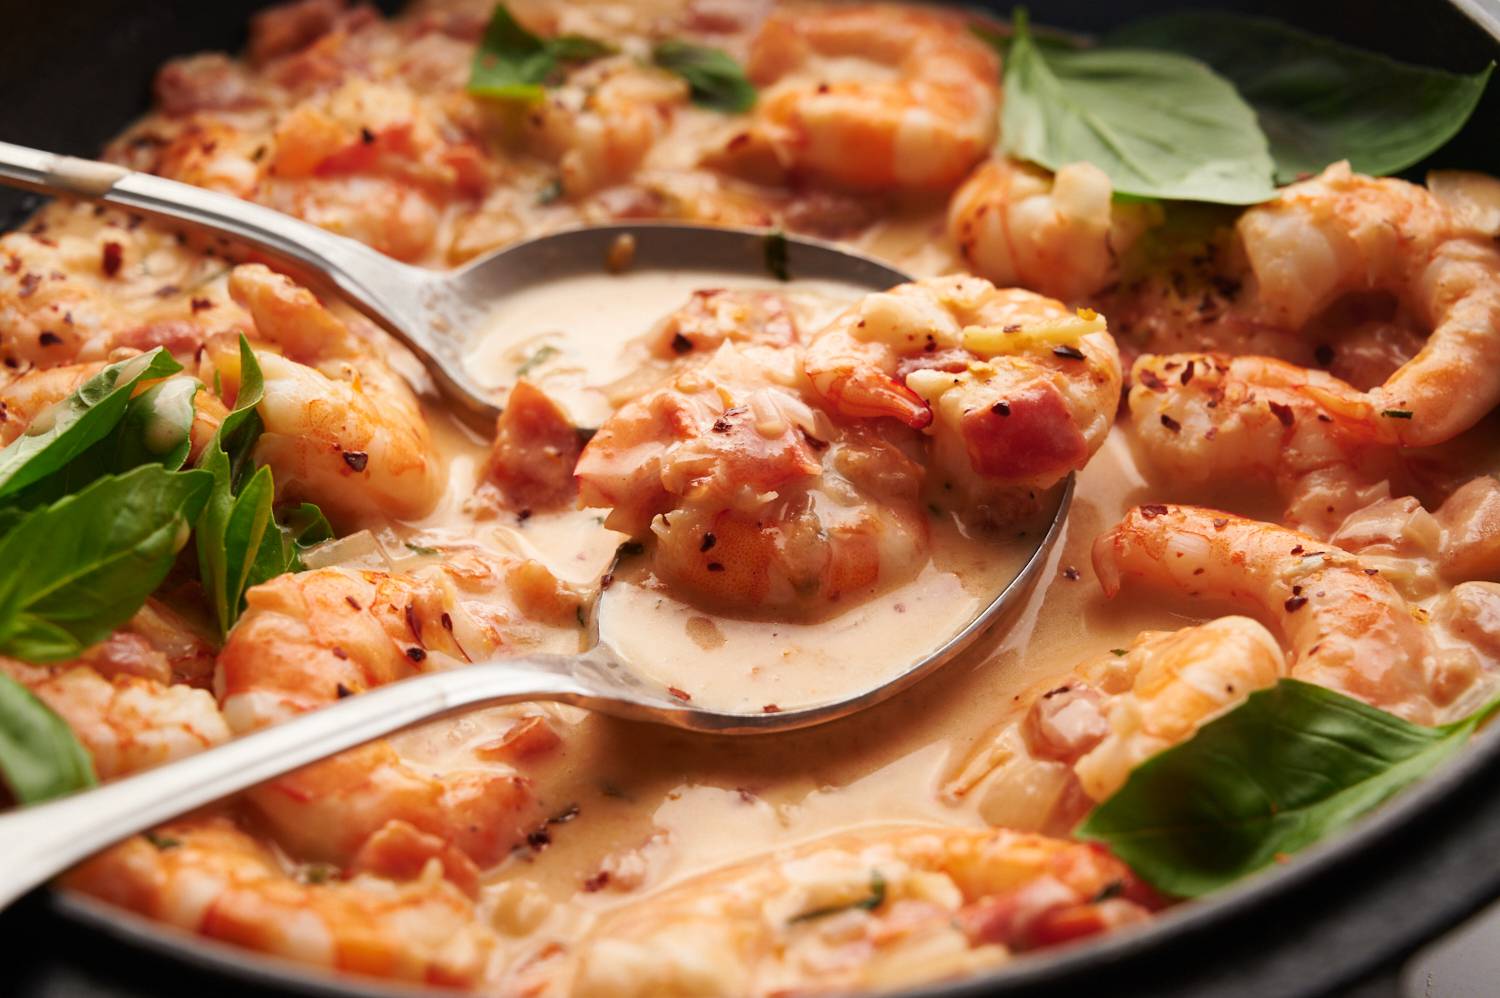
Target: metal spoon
<point>428,311</point>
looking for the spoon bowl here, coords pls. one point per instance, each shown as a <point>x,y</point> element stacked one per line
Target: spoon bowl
<point>430,312</point>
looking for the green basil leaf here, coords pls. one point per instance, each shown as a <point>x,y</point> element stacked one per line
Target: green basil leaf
<point>1159,124</point>
<point>252,544</point>
<point>716,80</point>
<point>157,426</point>
<point>39,756</point>
<point>72,425</point>
<point>1319,101</point>
<point>511,63</point>
<point>304,527</point>
<point>1290,765</point>
<point>91,559</point>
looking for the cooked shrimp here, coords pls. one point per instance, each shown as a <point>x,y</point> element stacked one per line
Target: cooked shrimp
<point>1079,736</point>
<point>714,316</point>
<point>601,123</point>
<point>883,908</point>
<point>314,637</point>
<point>209,877</point>
<point>919,111</point>
<point>1205,418</point>
<point>755,498</point>
<point>1470,521</point>
<point>1014,389</point>
<point>1348,628</point>
<point>1341,233</point>
<point>341,428</point>
<point>127,723</point>
<point>1059,235</point>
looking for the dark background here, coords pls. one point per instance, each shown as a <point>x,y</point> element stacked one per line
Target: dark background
<point>72,72</point>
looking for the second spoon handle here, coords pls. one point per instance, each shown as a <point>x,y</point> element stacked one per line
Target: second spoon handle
<point>42,841</point>
<point>385,289</point>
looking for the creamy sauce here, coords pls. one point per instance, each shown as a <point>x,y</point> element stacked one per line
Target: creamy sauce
<point>576,337</point>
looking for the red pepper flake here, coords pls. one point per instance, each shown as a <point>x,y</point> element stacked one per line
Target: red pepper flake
<point>29,282</point>
<point>709,540</point>
<point>114,255</point>
<point>200,304</point>
<point>1148,378</point>
<point>167,290</point>
<point>1052,693</point>
<point>722,424</point>
<point>1220,522</point>
<point>447,621</point>
<point>770,708</point>
<point>1171,423</point>
<point>597,882</point>
<point>366,136</point>
<point>353,602</point>
<point>356,459</point>
<point>339,653</point>
<point>1152,510</point>
<point>681,344</point>
<point>1071,574</point>
<point>682,695</point>
<point>1282,412</point>
<point>1014,327</point>
<point>341,691</point>
<point>1187,374</point>
<point>49,339</point>
<point>411,621</point>
<point>1323,417</point>
<point>1068,353</point>
<point>1298,549</point>
<point>416,654</point>
<point>715,566</point>
<point>1001,408</point>
<point>1295,603</point>
<point>1372,571</point>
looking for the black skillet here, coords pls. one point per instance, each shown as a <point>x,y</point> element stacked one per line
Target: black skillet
<point>1340,916</point>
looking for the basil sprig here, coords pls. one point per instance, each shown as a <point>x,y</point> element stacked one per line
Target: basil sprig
<point>81,567</point>
<point>64,431</point>
<point>1159,124</point>
<point>39,757</point>
<point>511,63</point>
<point>1289,766</point>
<point>715,80</point>
<point>1317,100</point>
<point>239,542</point>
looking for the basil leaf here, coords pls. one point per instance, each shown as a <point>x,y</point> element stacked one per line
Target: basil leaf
<point>304,527</point>
<point>1159,124</point>
<point>157,427</point>
<point>715,79</point>
<point>1290,765</point>
<point>511,63</point>
<point>252,544</point>
<point>69,427</point>
<point>82,566</point>
<point>39,756</point>
<point>1319,101</point>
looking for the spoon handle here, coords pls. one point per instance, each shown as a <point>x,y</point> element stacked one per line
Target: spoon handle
<point>42,841</point>
<point>386,290</point>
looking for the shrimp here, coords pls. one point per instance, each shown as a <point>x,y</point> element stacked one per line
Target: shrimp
<point>1060,235</point>
<point>1470,522</point>
<point>755,499</point>
<point>1014,390</point>
<point>1077,738</point>
<point>1204,418</point>
<point>207,876</point>
<point>714,316</point>
<point>314,637</point>
<point>1348,628</point>
<point>126,722</point>
<point>1341,233</point>
<point>926,118</point>
<point>341,428</point>
<point>603,121</point>
<point>884,908</point>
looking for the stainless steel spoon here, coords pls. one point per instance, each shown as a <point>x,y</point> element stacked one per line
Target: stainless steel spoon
<point>428,311</point>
